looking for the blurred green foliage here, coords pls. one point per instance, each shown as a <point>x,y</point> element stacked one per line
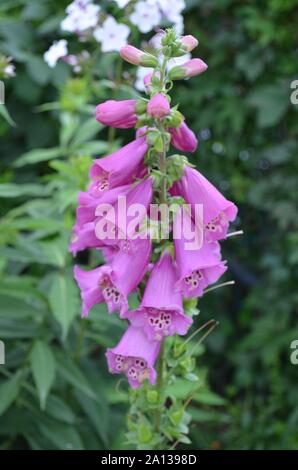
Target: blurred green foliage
<point>55,391</point>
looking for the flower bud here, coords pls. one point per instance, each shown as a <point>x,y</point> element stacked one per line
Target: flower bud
<point>189,69</point>
<point>189,43</point>
<point>158,106</point>
<point>121,114</point>
<point>137,57</point>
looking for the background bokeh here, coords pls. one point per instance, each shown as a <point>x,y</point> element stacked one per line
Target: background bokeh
<point>55,391</point>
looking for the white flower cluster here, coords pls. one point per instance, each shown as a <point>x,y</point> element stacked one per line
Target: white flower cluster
<point>81,15</point>
<point>88,20</point>
<point>148,14</point>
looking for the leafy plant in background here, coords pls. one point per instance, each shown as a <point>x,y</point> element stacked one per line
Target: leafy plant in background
<point>246,126</point>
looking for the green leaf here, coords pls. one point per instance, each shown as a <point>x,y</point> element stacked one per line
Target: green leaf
<point>63,299</point>
<point>5,114</point>
<point>271,102</point>
<point>9,391</point>
<point>17,190</point>
<point>39,155</point>
<point>86,131</point>
<point>43,367</point>
<point>92,148</point>
<point>58,409</point>
<point>73,375</point>
<point>62,435</point>
<point>97,413</point>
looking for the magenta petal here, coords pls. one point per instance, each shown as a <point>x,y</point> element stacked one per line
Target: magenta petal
<point>119,168</point>
<point>130,267</point>
<point>159,292</point>
<point>113,282</point>
<point>127,216</point>
<point>83,238</point>
<point>158,106</point>
<point>90,292</point>
<point>120,114</point>
<point>217,210</point>
<point>183,138</point>
<point>135,356</point>
<point>161,311</point>
<point>197,268</point>
<point>88,203</point>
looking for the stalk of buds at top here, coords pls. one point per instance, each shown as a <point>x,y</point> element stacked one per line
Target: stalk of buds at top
<point>158,106</point>
<point>137,57</point>
<point>189,43</point>
<point>189,69</point>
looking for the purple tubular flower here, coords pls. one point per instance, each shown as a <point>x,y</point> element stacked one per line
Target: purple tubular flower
<point>113,282</point>
<point>120,114</point>
<point>119,168</point>
<point>217,210</point>
<point>84,237</point>
<point>183,138</point>
<point>135,356</point>
<point>161,311</point>
<point>158,106</point>
<point>88,202</point>
<point>127,220</point>
<point>197,268</point>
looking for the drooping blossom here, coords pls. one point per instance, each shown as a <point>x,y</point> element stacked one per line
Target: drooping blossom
<point>88,203</point>
<point>145,16</point>
<point>112,283</point>
<point>120,114</point>
<point>84,237</point>
<point>197,268</point>
<point>111,35</point>
<point>183,138</point>
<point>190,69</point>
<point>161,311</point>
<point>135,356</point>
<point>217,210</point>
<point>119,168</point>
<point>158,106</point>
<point>57,51</point>
<point>123,222</point>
